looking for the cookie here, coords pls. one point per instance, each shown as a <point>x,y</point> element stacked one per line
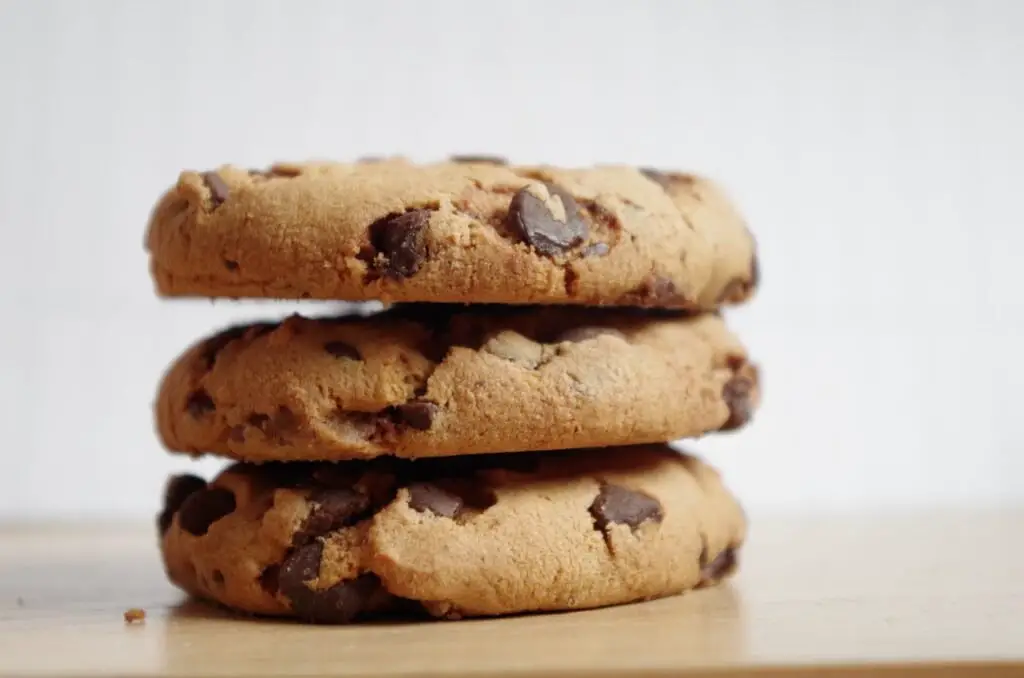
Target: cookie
<point>424,380</point>
<point>470,230</point>
<point>455,537</point>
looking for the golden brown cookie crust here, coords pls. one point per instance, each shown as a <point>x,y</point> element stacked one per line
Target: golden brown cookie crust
<point>486,535</point>
<point>467,232</point>
<point>427,380</point>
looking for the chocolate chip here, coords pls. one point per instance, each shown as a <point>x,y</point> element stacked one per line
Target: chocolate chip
<point>722,565</point>
<point>480,159</point>
<point>738,289</point>
<point>617,504</point>
<point>218,189</point>
<point>668,179</point>
<point>736,362</point>
<point>418,414</point>
<point>339,349</point>
<point>300,566</point>
<point>337,604</point>
<point>215,344</point>
<point>236,434</point>
<point>285,169</point>
<point>662,290</point>
<point>335,508</point>
<point>218,578</point>
<point>571,276</point>
<point>734,291</point>
<point>657,176</point>
<point>268,579</point>
<point>737,394</point>
<point>598,249</point>
<point>600,214</point>
<point>204,508</point>
<point>552,224</point>
<point>230,265</point>
<point>578,334</point>
<point>425,497</point>
<point>258,420</point>
<point>656,290</point>
<point>179,488</point>
<point>342,602</point>
<point>199,403</point>
<point>282,424</point>
<point>399,238</point>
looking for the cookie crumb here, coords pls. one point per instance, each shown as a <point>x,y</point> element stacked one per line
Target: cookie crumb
<point>134,615</point>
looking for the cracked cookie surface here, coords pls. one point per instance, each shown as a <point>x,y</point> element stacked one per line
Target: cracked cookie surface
<point>453,537</point>
<point>472,231</point>
<point>422,380</point>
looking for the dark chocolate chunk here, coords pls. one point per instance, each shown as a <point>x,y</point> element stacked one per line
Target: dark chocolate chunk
<point>734,290</point>
<point>425,497</point>
<point>480,159</point>
<point>218,189</point>
<point>335,508</point>
<point>199,403</point>
<point>418,414</point>
<point>236,434</point>
<point>553,225</point>
<point>399,239</point>
<point>231,265</point>
<point>178,489</point>
<point>661,290</point>
<point>657,176</point>
<point>336,604</point>
<point>285,169</point>
<point>258,420</point>
<point>300,566</point>
<point>667,179</point>
<point>600,214</point>
<point>281,425</point>
<point>737,394</point>
<point>218,342</point>
<point>269,579</point>
<point>656,290</point>
<point>339,349</point>
<point>721,566</point>
<point>341,603</point>
<point>205,507</point>
<point>617,504</point>
<point>738,289</point>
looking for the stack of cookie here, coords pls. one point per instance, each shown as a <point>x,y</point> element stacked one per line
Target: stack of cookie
<point>493,441</point>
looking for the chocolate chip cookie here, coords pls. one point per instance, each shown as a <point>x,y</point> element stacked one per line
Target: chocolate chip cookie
<point>423,380</point>
<point>453,537</point>
<point>470,230</point>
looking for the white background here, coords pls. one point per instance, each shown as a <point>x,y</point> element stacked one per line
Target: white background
<point>876,148</point>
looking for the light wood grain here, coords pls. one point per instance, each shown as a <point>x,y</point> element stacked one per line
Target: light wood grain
<point>938,594</point>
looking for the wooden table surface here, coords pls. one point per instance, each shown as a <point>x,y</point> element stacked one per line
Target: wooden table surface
<point>891,595</point>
